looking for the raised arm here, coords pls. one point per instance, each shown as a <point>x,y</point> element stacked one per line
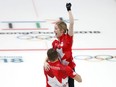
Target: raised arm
<point>71,19</point>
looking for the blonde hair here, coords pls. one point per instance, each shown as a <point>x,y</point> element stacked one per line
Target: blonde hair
<point>62,26</point>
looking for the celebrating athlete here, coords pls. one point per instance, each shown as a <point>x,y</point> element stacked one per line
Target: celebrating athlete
<point>58,74</point>
<point>63,44</point>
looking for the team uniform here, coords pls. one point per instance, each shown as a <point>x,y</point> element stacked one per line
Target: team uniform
<point>58,75</point>
<point>64,48</point>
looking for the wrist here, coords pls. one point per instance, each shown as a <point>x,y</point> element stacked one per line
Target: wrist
<point>69,9</point>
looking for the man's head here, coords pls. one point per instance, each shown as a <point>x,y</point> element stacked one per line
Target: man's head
<point>52,54</point>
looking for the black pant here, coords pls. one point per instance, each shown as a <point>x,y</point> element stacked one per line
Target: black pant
<point>71,81</point>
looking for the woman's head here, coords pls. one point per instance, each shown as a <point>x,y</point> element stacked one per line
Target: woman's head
<point>60,28</point>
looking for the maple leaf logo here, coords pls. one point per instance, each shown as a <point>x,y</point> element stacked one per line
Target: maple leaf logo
<point>60,52</point>
<point>53,82</point>
<point>64,62</point>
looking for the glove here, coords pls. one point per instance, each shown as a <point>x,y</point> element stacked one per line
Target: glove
<point>68,6</point>
<point>56,44</point>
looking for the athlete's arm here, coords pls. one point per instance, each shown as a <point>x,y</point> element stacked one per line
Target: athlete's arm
<point>71,73</point>
<point>71,19</point>
<point>46,65</point>
<point>78,78</point>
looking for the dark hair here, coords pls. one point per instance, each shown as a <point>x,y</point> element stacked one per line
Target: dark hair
<point>52,54</point>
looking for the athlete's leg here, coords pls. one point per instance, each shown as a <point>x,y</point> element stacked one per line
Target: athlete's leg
<point>71,81</point>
